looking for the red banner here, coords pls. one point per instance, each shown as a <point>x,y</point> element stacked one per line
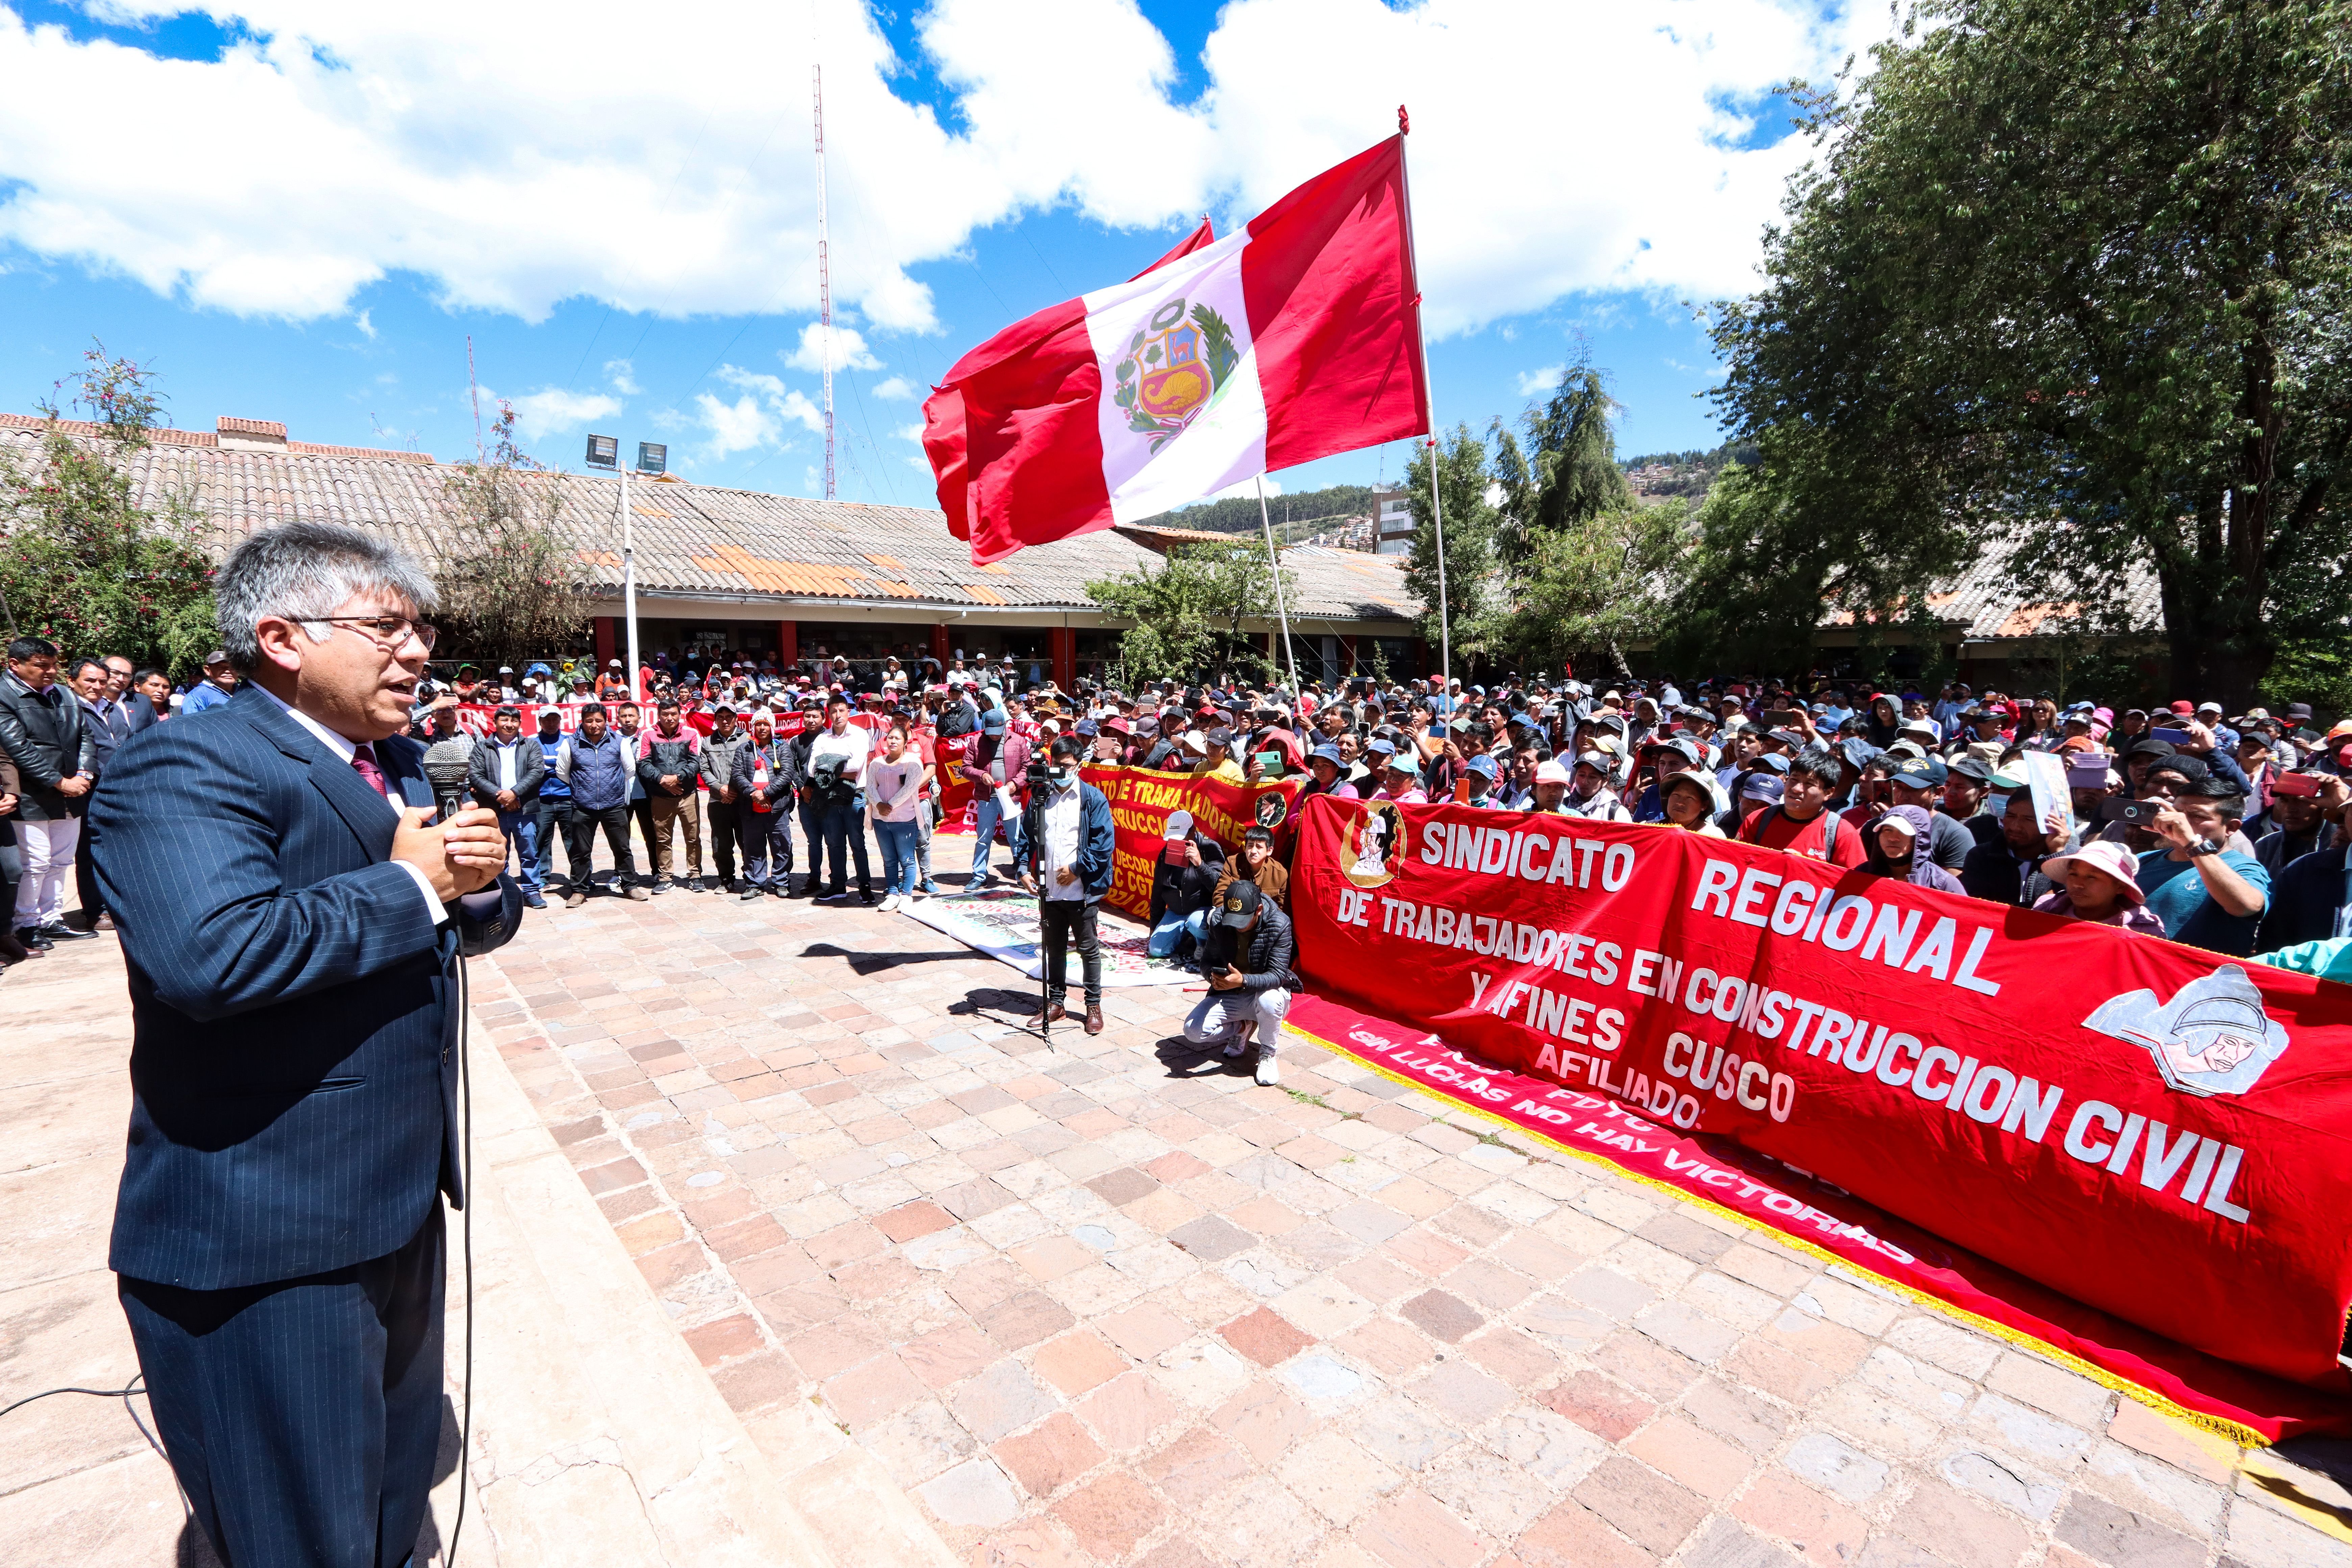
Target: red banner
<point>1141,800</point>
<point>955,789</point>
<point>2144,1128</point>
<point>474,718</point>
<point>1815,1216</point>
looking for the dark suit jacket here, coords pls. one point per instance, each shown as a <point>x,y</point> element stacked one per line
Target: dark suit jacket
<point>2304,901</point>
<point>293,1067</point>
<point>42,732</point>
<point>107,728</point>
<point>531,771</point>
<point>139,711</point>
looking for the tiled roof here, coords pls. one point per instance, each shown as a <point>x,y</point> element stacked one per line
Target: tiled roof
<point>1985,604</point>
<point>694,539</point>
<point>261,427</point>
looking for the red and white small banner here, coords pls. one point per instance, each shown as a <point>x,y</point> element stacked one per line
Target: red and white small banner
<point>1295,338</point>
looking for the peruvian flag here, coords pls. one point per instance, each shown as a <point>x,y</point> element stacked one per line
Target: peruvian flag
<point>1295,338</point>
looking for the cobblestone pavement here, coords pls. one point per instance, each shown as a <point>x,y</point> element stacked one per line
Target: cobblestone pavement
<point>1112,1302</point>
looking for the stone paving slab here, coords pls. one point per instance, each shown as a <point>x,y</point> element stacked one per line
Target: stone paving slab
<point>1109,1301</point>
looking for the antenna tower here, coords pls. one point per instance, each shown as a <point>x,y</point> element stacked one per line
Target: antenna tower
<point>824,283</point>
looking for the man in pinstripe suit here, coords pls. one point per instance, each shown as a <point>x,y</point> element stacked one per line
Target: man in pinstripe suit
<point>292,929</point>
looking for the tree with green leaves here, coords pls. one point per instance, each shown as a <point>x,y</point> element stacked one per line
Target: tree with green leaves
<point>1733,607</point>
<point>1598,584</point>
<point>513,586</point>
<point>2071,280</point>
<point>1470,519</point>
<point>1188,613</point>
<point>82,563</point>
<point>1568,473</point>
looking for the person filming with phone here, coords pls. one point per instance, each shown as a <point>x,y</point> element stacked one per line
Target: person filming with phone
<point>1248,954</point>
<point>2206,894</point>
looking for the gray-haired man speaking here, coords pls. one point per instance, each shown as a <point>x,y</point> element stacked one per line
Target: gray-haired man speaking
<point>292,927</point>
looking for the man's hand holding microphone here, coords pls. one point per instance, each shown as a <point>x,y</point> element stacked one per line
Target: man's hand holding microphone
<point>461,856</point>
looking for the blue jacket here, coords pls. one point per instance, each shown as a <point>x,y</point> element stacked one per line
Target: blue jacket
<point>1095,841</point>
<point>202,696</point>
<point>552,785</point>
<point>293,1060</point>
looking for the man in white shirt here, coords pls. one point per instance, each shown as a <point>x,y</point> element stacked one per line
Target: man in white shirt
<point>837,775</point>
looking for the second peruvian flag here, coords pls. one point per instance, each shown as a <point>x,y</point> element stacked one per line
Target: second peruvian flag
<point>1295,338</point>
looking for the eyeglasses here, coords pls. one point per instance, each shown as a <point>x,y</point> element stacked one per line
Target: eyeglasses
<point>389,632</point>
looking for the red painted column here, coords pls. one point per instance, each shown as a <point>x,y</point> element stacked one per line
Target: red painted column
<point>1347,653</point>
<point>788,644</point>
<point>1063,644</point>
<point>603,628</point>
<point>1421,657</point>
<point>939,647</point>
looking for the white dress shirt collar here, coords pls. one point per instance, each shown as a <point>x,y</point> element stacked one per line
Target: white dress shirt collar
<point>343,746</point>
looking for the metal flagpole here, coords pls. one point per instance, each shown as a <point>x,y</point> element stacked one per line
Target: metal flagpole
<point>1290,656</point>
<point>628,574</point>
<point>1436,509</point>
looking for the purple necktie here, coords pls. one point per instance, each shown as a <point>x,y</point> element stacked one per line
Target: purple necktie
<point>363,764</point>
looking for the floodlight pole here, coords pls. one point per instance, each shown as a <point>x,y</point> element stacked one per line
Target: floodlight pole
<point>628,573</point>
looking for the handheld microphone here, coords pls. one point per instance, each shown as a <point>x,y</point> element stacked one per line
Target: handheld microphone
<point>447,764</point>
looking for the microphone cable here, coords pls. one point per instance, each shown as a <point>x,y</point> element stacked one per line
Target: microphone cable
<point>466,1230</point>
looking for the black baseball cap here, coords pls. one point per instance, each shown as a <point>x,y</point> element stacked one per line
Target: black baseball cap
<point>1240,905</point>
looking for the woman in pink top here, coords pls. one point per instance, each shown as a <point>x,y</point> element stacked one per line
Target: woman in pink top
<point>894,787</point>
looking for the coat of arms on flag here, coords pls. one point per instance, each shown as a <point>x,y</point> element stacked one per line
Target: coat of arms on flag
<point>1174,367</point>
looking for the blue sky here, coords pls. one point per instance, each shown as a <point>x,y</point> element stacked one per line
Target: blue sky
<point>299,214</point>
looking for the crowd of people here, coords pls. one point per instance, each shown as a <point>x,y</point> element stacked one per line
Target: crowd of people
<point>2223,832</point>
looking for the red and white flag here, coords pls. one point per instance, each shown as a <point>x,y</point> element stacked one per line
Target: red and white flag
<point>1295,338</point>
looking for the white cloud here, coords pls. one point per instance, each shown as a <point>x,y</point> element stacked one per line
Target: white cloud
<point>553,411</point>
<point>898,388</point>
<point>849,350</point>
<point>758,417</point>
<point>1540,382</point>
<point>623,377</point>
<point>909,432</point>
<point>366,327</point>
<point>485,151</point>
<point>738,427</point>
<point>736,375</point>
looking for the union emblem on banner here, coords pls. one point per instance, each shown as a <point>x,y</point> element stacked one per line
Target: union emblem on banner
<point>2213,1037</point>
<point>1373,846</point>
<point>1174,369</point>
